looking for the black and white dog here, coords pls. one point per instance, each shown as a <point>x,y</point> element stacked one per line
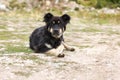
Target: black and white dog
<point>49,38</point>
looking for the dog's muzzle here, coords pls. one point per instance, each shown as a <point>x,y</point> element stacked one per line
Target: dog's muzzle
<point>56,33</point>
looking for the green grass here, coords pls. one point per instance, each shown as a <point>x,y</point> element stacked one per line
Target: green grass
<point>21,73</point>
<point>102,21</point>
<point>34,58</point>
<point>95,17</point>
<point>102,42</point>
<point>113,32</point>
<point>2,27</point>
<point>84,46</point>
<point>91,29</point>
<point>10,48</point>
<point>6,35</point>
<point>118,43</point>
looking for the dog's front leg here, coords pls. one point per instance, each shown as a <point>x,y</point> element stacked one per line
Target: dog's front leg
<point>56,52</point>
<point>68,47</point>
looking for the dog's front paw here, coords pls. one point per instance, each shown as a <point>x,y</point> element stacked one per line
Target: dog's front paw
<point>72,49</point>
<point>61,55</point>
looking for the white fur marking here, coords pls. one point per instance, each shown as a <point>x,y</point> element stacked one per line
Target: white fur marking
<point>53,22</point>
<point>51,30</point>
<point>60,30</point>
<point>48,45</point>
<point>58,22</point>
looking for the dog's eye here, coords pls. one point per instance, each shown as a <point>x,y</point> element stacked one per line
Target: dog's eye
<point>58,22</point>
<point>53,22</point>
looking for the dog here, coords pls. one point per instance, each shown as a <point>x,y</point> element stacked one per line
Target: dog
<point>49,38</point>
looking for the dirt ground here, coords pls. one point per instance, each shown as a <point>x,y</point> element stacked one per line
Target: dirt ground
<point>96,57</point>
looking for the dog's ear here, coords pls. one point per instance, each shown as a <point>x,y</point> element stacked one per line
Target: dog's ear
<point>47,17</point>
<point>65,18</point>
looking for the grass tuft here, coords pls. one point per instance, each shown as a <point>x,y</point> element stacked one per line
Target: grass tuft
<point>91,29</point>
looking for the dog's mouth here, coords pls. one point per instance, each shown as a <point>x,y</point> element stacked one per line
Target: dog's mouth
<point>56,35</point>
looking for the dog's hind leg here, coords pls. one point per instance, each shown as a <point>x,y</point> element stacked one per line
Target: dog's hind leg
<point>69,48</point>
<point>56,52</point>
<point>52,52</point>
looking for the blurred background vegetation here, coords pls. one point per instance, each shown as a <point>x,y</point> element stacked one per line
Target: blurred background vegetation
<point>100,3</point>
<point>103,10</point>
<point>62,4</point>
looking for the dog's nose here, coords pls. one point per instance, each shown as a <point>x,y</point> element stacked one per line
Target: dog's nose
<point>56,31</point>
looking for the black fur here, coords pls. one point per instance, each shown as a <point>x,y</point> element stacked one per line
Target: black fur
<point>42,35</point>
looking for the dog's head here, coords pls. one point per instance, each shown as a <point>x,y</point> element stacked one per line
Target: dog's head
<point>56,25</point>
